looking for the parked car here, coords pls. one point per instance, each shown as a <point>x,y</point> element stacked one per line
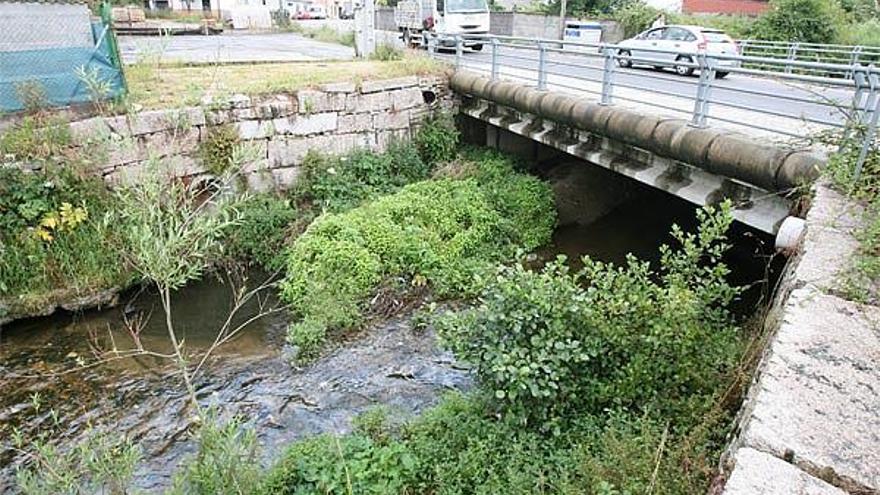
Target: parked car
<point>346,14</point>
<point>674,45</point>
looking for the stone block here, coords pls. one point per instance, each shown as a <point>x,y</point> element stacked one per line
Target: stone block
<point>255,129</point>
<point>757,473</point>
<point>340,87</point>
<point>313,101</point>
<point>304,125</point>
<point>407,98</point>
<point>167,143</point>
<point>260,182</point>
<point>162,120</point>
<point>275,107</point>
<point>388,84</point>
<point>285,178</point>
<point>358,122</point>
<point>286,152</point>
<point>816,402</point>
<point>391,120</point>
<point>376,102</point>
<point>383,138</point>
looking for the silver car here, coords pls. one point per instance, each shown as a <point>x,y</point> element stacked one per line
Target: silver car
<point>673,46</point>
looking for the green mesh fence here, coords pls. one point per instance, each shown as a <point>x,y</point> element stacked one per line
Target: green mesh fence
<point>56,55</point>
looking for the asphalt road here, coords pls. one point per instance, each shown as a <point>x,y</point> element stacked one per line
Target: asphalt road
<point>738,93</point>
<point>231,48</point>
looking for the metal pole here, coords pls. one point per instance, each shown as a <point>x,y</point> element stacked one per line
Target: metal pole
<point>704,90</point>
<point>542,66</point>
<point>607,76</point>
<point>869,137</point>
<point>562,8</point>
<point>792,54</point>
<point>459,48</point>
<point>494,58</point>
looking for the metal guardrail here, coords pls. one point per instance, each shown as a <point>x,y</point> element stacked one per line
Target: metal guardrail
<point>794,103</point>
<point>844,55</point>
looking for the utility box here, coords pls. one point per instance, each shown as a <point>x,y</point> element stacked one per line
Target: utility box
<point>582,32</point>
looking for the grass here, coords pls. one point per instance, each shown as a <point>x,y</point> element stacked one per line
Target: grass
<point>155,86</point>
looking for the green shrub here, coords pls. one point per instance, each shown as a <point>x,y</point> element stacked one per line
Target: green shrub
<point>386,53</point>
<point>227,461</point>
<point>437,139</point>
<point>36,138</point>
<point>345,465</point>
<point>306,337</point>
<point>217,151</point>
<point>336,184</point>
<point>737,26</point>
<point>551,344</point>
<point>805,21</point>
<point>863,32</point>
<point>442,231</point>
<point>635,17</point>
<point>260,237</point>
<point>53,235</point>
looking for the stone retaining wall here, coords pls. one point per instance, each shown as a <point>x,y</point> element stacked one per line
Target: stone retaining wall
<point>279,129</point>
<point>811,422</point>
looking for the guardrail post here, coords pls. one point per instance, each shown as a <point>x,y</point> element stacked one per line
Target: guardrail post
<point>542,66</point>
<point>854,60</point>
<point>432,42</point>
<point>873,111</point>
<point>792,55</point>
<point>494,58</point>
<point>459,49</point>
<point>704,90</point>
<point>607,76</point>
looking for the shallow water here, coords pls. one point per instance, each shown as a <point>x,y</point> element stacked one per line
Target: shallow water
<point>252,376</point>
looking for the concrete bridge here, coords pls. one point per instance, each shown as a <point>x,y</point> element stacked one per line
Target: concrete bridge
<point>701,165</point>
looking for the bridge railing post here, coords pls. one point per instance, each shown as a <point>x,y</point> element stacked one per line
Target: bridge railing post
<point>431,39</point>
<point>494,42</point>
<point>854,61</point>
<point>542,66</point>
<point>607,76</point>
<point>706,67</point>
<point>459,50</point>
<point>792,55</point>
<point>872,115</point>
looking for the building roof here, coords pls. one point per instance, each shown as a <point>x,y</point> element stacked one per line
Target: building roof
<point>741,7</point>
<point>84,2</point>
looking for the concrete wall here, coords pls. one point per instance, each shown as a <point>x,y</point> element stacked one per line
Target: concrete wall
<point>811,421</point>
<point>279,129</point>
<point>542,26</point>
<point>34,26</point>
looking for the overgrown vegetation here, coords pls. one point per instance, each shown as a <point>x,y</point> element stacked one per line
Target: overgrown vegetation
<point>440,233</point>
<point>217,150</point>
<point>610,380</point>
<point>323,33</point>
<point>54,237</point>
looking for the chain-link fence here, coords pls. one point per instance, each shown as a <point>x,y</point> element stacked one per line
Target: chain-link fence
<point>56,54</point>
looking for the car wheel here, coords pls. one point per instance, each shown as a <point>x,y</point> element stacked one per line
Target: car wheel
<point>625,59</point>
<point>683,70</point>
<point>721,75</point>
<point>478,47</point>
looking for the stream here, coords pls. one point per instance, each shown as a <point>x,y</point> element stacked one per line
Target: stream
<point>388,363</point>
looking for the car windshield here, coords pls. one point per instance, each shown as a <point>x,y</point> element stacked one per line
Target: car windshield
<point>467,6</point>
<point>716,37</point>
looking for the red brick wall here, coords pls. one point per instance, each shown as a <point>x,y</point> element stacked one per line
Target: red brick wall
<point>747,7</point>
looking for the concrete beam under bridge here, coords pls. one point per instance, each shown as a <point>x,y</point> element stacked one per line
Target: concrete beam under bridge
<point>699,165</point>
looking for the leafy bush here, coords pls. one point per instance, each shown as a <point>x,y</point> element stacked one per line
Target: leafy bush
<point>36,138</point>
<point>552,344</point>
<point>53,236</point>
<point>806,21</point>
<point>437,139</point>
<point>98,463</point>
<point>260,236</point>
<point>226,463</point>
<point>635,17</point>
<point>863,32</point>
<point>349,464</point>
<point>216,152</point>
<point>335,184</point>
<point>386,52</point>
<point>737,26</point>
<point>443,231</point>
